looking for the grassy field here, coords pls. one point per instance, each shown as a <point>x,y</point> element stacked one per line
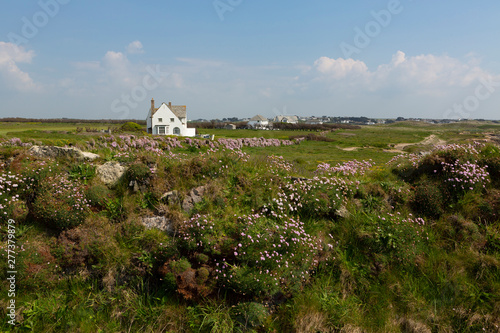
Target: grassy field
<point>375,142</point>
<point>10,127</point>
<point>369,142</point>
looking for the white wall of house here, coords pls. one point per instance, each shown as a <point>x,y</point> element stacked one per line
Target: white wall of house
<point>258,123</point>
<point>165,122</point>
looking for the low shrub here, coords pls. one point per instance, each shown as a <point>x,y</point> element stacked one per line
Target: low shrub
<point>319,196</point>
<point>404,237</point>
<point>131,127</point>
<point>60,203</point>
<point>138,172</point>
<point>98,195</point>
<point>250,315</point>
<point>427,199</point>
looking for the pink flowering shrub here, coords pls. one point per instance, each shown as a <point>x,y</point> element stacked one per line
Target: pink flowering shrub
<point>349,168</point>
<point>60,203</point>
<point>15,142</point>
<point>319,197</point>
<point>13,190</point>
<point>412,166</point>
<point>465,176</point>
<point>270,256</point>
<point>402,236</point>
<point>447,172</point>
<point>255,255</point>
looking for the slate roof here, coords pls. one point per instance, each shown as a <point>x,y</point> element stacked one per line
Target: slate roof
<point>179,110</point>
<point>258,118</point>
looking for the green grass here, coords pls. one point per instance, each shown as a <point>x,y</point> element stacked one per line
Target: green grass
<point>9,127</point>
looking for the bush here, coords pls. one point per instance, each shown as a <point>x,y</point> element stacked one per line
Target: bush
<point>131,127</point>
<point>60,203</point>
<point>427,199</point>
<point>257,255</point>
<point>98,195</point>
<point>403,237</point>
<point>251,315</point>
<point>138,172</point>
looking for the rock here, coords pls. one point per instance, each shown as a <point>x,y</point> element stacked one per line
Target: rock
<point>343,212</point>
<point>170,197</point>
<point>194,196</point>
<point>110,172</point>
<point>158,222</point>
<point>61,152</point>
<point>90,156</point>
<point>135,185</point>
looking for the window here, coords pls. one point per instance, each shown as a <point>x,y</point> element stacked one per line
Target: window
<point>160,120</point>
<point>177,131</point>
<point>172,120</point>
<point>161,130</point>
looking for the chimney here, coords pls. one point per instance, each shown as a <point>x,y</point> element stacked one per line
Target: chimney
<point>152,106</point>
<point>170,105</point>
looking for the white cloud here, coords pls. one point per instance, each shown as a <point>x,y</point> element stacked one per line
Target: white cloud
<point>135,47</point>
<point>422,74</point>
<point>340,68</point>
<point>10,56</point>
<point>118,69</point>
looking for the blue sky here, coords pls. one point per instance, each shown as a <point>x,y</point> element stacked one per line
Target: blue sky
<point>226,58</point>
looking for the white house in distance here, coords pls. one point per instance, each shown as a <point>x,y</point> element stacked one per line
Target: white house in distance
<point>168,120</point>
<point>286,119</point>
<point>258,122</point>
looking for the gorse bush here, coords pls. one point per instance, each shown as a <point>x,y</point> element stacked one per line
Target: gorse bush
<point>60,203</point>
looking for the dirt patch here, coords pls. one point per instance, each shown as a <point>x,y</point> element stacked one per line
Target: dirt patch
<point>431,140</point>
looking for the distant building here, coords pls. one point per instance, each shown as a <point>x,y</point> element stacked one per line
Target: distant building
<point>286,119</point>
<point>314,121</point>
<point>230,127</point>
<point>258,122</point>
<point>168,120</point>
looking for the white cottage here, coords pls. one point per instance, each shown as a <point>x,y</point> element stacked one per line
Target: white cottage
<point>168,120</point>
<point>286,119</point>
<point>258,122</point>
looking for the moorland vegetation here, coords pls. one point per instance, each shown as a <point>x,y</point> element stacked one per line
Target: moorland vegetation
<point>277,232</point>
